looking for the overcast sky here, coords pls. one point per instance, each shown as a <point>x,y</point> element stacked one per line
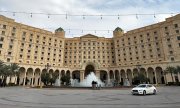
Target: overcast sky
<point>76,26</point>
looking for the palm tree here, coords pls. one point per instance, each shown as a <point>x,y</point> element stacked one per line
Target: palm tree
<point>14,67</point>
<point>1,67</point>
<point>5,71</point>
<point>171,70</point>
<point>8,70</point>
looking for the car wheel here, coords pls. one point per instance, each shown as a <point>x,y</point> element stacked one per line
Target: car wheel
<point>154,92</point>
<point>144,92</point>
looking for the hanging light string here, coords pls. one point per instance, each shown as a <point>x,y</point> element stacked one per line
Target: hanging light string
<point>82,30</point>
<point>87,15</point>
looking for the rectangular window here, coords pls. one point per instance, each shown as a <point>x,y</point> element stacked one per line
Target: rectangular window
<point>0,45</point>
<point>9,53</point>
<point>165,28</point>
<point>20,56</point>
<point>178,37</point>
<point>4,26</point>
<point>172,58</point>
<point>177,31</point>
<point>10,46</point>
<point>169,45</point>
<point>2,39</point>
<point>8,59</point>
<point>24,33</point>
<point>171,52</point>
<point>159,55</point>
<point>176,25</point>
<point>3,32</point>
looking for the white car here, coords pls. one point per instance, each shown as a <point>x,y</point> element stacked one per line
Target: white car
<point>144,89</point>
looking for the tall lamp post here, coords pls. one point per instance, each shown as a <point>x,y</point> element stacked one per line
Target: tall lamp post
<point>47,66</point>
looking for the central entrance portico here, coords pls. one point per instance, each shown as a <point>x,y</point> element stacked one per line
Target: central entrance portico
<point>88,70</point>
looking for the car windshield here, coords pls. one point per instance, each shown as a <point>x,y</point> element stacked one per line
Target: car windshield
<point>142,86</point>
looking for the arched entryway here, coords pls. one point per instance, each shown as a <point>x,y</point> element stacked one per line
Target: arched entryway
<point>88,70</point>
<point>160,75</point>
<point>29,76</point>
<point>76,75</point>
<point>103,76</point>
<point>37,77</point>
<point>22,77</point>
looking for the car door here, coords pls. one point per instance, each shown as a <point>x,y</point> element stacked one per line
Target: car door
<point>149,89</point>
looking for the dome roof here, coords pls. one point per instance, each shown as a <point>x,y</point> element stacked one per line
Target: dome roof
<point>59,29</point>
<point>118,29</point>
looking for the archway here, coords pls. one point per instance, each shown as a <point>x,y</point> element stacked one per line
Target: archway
<point>129,75</point>
<point>68,73</point>
<point>160,75</point>
<point>143,71</point>
<point>29,76</point>
<point>150,71</point>
<point>135,72</point>
<point>88,69</point>
<point>37,77</point>
<point>21,79</point>
<point>103,76</point>
<point>117,75</point>
<point>111,75</point>
<point>123,76</point>
<point>76,75</point>
<point>62,73</point>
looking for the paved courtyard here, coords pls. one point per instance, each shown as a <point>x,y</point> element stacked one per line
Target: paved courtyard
<point>19,97</point>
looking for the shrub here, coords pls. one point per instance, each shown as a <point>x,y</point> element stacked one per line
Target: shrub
<point>141,78</point>
<point>12,84</point>
<point>65,79</point>
<point>45,78</point>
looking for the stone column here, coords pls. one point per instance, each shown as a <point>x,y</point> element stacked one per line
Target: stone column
<point>98,74</point>
<point>108,78</point>
<point>81,75</point>
<point>40,80</point>
<point>132,75</point>
<point>71,75</point>
<point>147,75</point>
<point>178,76</point>
<point>59,75</point>
<point>114,75</point>
<point>125,74</point>
<point>24,80</point>
<point>32,83</point>
<point>120,76</point>
<point>156,77</point>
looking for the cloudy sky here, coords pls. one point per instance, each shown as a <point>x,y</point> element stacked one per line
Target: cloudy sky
<point>97,24</point>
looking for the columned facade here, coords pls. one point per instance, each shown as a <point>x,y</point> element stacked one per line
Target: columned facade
<point>148,50</point>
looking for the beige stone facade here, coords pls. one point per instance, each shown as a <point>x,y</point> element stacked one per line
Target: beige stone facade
<point>148,50</point>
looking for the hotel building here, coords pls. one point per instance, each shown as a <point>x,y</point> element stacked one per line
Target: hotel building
<point>148,50</point>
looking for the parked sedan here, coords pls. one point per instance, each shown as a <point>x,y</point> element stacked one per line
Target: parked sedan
<point>144,89</point>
